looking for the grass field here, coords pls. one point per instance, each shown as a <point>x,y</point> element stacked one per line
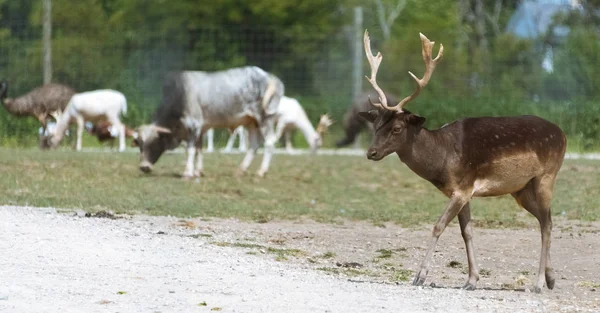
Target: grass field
<point>323,188</point>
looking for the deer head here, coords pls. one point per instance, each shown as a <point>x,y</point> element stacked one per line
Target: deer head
<point>322,127</point>
<point>394,127</point>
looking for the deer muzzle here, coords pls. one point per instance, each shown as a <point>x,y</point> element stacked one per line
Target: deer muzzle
<point>373,154</point>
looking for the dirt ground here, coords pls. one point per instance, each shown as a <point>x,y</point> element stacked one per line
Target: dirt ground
<point>65,262</point>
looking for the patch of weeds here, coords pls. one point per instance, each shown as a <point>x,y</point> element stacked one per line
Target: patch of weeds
<point>507,286</point>
<point>400,275</point>
<point>588,284</point>
<point>494,223</point>
<point>326,255</point>
<point>379,224</point>
<point>278,241</point>
<point>262,219</point>
<point>384,253</point>
<point>351,272</point>
<point>239,245</point>
<point>485,272</point>
<point>252,252</point>
<point>121,292</point>
<point>282,254</point>
<point>185,223</point>
<point>196,236</point>
<point>216,309</point>
<point>566,229</point>
<point>524,272</point>
<point>103,214</point>
<point>203,303</point>
<point>521,281</point>
<point>349,264</point>
<point>205,219</point>
<point>454,264</point>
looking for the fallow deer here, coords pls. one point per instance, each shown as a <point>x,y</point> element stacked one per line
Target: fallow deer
<point>471,157</point>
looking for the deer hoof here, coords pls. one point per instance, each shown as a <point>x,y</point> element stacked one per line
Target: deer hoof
<point>468,286</point>
<point>261,174</point>
<point>419,280</point>
<point>550,281</point>
<point>198,174</point>
<point>537,289</point>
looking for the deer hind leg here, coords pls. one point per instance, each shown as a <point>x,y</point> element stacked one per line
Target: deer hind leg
<point>453,207</point>
<point>536,198</point>
<point>464,218</point>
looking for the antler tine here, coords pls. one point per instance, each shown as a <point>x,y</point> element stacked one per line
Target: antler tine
<point>427,48</point>
<point>374,62</point>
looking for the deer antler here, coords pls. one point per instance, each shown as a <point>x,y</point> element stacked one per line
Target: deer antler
<point>374,62</point>
<point>427,49</point>
<point>324,123</point>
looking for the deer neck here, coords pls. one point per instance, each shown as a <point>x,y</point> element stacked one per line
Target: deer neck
<point>62,125</point>
<point>310,134</point>
<point>427,154</point>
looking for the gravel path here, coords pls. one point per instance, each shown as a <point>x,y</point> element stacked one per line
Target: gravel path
<point>52,262</point>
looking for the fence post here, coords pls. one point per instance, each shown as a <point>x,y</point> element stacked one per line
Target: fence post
<point>357,53</point>
<point>47,41</point>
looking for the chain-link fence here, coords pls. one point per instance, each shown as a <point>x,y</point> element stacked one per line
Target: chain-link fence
<point>317,69</point>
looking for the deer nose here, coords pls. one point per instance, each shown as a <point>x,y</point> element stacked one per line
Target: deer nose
<point>371,153</point>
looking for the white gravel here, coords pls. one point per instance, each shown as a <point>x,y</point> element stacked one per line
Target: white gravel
<point>52,262</point>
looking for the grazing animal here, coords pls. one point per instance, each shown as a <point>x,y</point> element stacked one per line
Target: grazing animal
<point>471,157</point>
<point>291,115</point>
<point>195,101</point>
<point>94,106</point>
<point>104,131</point>
<point>354,124</point>
<point>42,103</point>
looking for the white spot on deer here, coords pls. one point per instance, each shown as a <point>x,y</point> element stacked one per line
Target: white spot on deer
<point>497,137</point>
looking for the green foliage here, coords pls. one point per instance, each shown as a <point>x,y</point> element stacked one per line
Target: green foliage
<point>130,44</point>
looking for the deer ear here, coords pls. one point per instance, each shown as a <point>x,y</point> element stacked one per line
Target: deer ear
<point>369,116</point>
<point>416,120</point>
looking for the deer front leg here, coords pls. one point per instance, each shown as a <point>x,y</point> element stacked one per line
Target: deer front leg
<point>464,218</point>
<point>454,205</point>
<point>80,123</point>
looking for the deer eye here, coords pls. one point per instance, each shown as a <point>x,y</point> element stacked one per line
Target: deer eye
<point>397,129</point>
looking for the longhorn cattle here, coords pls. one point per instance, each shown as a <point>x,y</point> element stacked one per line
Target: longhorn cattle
<point>195,101</point>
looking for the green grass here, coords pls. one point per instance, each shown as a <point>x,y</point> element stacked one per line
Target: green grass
<point>323,188</point>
